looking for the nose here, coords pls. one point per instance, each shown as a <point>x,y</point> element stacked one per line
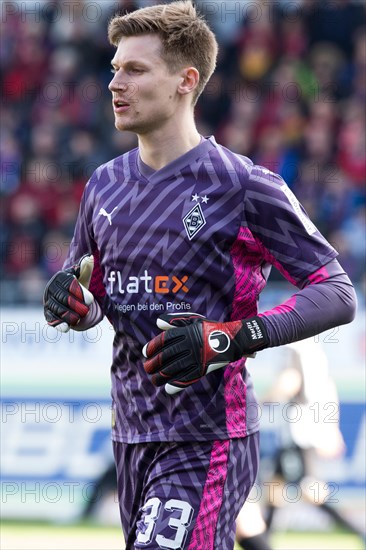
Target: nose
<point>112,86</point>
<point>117,84</point>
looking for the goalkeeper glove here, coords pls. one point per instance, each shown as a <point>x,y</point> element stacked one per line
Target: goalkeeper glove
<point>197,346</point>
<point>66,297</point>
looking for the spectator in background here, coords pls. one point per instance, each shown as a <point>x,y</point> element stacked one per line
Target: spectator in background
<point>289,91</point>
<point>305,389</point>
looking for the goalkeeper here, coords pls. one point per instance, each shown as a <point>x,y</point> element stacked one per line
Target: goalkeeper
<point>182,220</point>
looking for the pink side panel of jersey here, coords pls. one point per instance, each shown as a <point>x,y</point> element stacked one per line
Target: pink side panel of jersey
<point>247,259</point>
<point>96,286</point>
<point>203,535</point>
<point>235,399</point>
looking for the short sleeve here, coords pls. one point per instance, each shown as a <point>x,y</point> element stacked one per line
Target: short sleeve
<point>280,224</point>
<point>83,241</point>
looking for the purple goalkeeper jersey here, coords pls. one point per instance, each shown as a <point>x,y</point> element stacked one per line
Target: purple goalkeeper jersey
<point>199,235</point>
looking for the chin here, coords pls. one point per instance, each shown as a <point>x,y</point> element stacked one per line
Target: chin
<point>124,126</point>
<point>137,126</point>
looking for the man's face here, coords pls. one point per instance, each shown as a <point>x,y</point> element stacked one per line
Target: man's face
<point>144,93</point>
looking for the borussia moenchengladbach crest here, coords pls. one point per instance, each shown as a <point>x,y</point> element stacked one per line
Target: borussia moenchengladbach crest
<point>194,221</point>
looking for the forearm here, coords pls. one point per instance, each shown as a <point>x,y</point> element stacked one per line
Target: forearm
<point>193,346</point>
<point>314,309</point>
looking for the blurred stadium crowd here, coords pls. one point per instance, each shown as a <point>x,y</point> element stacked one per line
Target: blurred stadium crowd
<point>289,92</point>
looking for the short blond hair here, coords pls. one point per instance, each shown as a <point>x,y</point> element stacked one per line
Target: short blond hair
<point>186,38</point>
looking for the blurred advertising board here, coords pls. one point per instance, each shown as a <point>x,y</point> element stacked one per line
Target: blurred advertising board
<point>56,416</point>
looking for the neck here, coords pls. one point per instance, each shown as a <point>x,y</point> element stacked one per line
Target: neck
<point>160,147</point>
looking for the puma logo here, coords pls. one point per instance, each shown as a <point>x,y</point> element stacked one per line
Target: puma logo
<point>103,212</point>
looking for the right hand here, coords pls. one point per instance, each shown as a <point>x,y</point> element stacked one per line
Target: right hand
<point>192,346</point>
<point>66,298</point>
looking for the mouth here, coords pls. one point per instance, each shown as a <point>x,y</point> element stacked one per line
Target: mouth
<point>120,106</point>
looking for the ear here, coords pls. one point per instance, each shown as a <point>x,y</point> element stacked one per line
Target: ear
<point>190,78</point>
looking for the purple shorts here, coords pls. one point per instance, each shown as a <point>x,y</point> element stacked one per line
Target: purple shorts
<point>184,496</point>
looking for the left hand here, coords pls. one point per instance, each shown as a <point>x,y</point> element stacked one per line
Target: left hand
<point>195,346</point>
<point>66,298</point>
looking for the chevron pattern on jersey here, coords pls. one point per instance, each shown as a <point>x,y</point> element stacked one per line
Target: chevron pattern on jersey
<point>149,263</point>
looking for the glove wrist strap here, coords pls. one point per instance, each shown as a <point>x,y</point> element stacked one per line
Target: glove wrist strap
<point>92,318</point>
<point>255,332</point>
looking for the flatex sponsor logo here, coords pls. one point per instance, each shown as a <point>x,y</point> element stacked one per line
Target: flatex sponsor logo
<point>146,283</point>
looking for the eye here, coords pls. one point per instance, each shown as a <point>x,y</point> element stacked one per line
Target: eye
<point>136,70</point>
<point>113,70</point>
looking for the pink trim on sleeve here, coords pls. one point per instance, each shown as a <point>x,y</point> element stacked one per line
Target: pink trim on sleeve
<point>320,275</point>
<point>287,306</point>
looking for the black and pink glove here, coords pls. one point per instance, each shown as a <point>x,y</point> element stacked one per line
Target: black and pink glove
<point>194,346</point>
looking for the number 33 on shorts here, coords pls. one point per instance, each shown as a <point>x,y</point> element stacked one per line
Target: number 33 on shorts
<point>164,524</point>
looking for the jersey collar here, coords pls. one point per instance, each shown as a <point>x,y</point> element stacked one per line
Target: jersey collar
<point>171,169</point>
